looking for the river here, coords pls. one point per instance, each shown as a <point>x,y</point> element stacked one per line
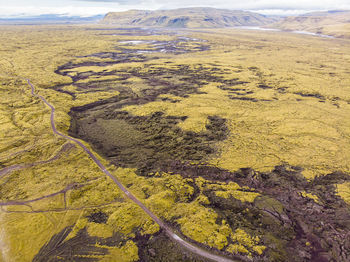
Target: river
<point>279,30</point>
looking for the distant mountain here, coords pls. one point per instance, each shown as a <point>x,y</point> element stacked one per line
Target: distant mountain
<point>187,18</point>
<point>51,19</point>
<point>335,23</point>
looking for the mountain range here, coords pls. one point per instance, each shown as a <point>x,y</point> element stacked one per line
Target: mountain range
<point>335,23</point>
<point>188,18</point>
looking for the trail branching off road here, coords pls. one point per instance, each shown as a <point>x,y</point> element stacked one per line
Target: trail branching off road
<point>63,192</point>
<point>167,230</point>
<point>9,169</point>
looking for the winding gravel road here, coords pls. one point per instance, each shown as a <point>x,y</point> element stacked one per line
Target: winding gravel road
<point>167,230</point>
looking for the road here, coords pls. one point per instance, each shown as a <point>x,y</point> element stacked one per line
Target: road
<point>194,249</point>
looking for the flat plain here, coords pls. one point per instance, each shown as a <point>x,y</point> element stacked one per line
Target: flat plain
<point>236,139</point>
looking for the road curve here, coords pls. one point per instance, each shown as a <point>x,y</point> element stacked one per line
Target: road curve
<point>167,230</point>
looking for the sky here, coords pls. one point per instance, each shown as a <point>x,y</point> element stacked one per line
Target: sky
<point>85,8</point>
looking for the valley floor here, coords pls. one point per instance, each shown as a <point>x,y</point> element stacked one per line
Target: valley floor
<point>237,140</point>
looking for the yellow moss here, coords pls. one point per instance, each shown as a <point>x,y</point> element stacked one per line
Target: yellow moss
<point>243,238</point>
<point>311,196</point>
<point>126,253</point>
<point>199,223</point>
<point>22,235</point>
<point>225,229</point>
<point>93,194</point>
<point>79,225</point>
<point>343,190</point>
<point>128,217</point>
<point>162,202</point>
<point>259,249</point>
<point>150,228</point>
<point>202,199</point>
<point>99,230</point>
<point>288,127</point>
<point>232,189</point>
<point>244,243</point>
<point>241,195</point>
<point>235,249</point>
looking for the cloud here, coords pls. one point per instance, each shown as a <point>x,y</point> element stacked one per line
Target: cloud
<point>94,7</point>
<point>21,8</point>
<point>282,12</point>
<point>17,11</point>
<point>239,4</point>
<point>266,4</point>
<point>125,2</point>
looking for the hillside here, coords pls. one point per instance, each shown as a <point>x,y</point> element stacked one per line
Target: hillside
<point>335,23</point>
<point>187,18</point>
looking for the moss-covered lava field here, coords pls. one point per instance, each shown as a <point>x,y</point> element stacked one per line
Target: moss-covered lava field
<point>237,139</point>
